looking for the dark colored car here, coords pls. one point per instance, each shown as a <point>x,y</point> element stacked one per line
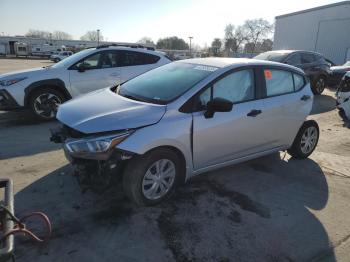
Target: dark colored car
<point>314,65</point>
<point>337,73</point>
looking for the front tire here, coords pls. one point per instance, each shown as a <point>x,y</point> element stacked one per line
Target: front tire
<point>318,85</point>
<point>306,140</point>
<point>44,102</point>
<point>151,178</point>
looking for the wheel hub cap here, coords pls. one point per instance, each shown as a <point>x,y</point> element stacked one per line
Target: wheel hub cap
<point>308,140</point>
<point>158,179</point>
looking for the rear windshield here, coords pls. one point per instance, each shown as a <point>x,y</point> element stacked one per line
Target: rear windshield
<point>272,56</point>
<point>165,83</point>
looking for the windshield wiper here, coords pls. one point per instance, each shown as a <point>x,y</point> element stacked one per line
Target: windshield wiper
<point>131,97</point>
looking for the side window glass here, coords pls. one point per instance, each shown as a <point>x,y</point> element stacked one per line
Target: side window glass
<point>299,82</point>
<point>204,98</point>
<point>130,58</point>
<point>109,59</point>
<point>278,82</point>
<point>307,58</point>
<point>236,87</point>
<point>92,62</point>
<point>294,59</point>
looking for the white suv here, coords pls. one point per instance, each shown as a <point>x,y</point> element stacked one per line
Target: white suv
<point>43,89</point>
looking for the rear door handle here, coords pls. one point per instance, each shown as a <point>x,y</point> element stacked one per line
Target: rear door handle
<point>254,113</point>
<point>305,97</point>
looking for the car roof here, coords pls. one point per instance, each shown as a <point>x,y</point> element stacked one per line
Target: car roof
<point>288,51</point>
<point>139,49</point>
<point>234,62</point>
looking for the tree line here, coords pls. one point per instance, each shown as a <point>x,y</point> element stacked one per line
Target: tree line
<point>253,36</point>
<point>60,35</point>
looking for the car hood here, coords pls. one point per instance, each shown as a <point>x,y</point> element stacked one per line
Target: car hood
<point>24,73</point>
<point>104,110</point>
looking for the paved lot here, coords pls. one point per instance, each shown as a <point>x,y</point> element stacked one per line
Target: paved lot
<point>270,209</point>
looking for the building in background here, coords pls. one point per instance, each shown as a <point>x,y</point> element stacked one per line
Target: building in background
<point>324,29</point>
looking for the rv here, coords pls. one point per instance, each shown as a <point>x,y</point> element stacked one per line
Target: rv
<point>21,49</point>
<point>46,50</point>
<point>2,49</point>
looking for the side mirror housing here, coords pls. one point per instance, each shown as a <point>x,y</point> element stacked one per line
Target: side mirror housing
<point>218,105</point>
<point>81,68</point>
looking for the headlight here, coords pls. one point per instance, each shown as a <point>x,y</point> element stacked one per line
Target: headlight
<point>96,145</point>
<point>11,81</point>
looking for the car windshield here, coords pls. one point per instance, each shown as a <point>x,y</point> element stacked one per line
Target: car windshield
<point>272,56</point>
<point>165,83</point>
<point>72,59</point>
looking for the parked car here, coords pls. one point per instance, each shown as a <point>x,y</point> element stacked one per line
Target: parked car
<point>43,89</point>
<point>314,65</point>
<point>343,96</point>
<point>185,118</point>
<point>337,73</point>
<point>60,56</point>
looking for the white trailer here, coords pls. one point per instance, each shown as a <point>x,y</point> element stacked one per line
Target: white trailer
<point>21,49</point>
<point>3,49</point>
<point>46,50</point>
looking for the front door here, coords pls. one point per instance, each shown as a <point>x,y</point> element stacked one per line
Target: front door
<point>229,135</point>
<point>100,71</point>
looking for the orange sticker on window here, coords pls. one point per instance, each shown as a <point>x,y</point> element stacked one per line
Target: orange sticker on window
<point>268,74</point>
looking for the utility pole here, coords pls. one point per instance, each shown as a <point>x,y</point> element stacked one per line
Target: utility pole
<point>98,37</point>
<point>190,37</point>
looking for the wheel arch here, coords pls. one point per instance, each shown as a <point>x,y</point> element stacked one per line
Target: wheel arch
<point>56,83</point>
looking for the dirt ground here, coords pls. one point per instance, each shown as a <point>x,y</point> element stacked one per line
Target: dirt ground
<point>270,209</point>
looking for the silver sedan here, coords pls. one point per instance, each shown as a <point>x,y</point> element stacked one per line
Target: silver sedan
<point>157,130</point>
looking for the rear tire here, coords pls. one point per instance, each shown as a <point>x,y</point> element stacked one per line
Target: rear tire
<point>144,185</point>
<point>318,85</point>
<point>306,140</point>
<point>44,102</point>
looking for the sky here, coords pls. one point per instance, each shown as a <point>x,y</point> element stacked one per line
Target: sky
<point>130,20</point>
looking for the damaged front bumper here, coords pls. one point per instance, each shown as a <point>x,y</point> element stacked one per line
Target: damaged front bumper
<point>96,160</point>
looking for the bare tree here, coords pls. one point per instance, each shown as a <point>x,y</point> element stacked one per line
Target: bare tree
<point>60,35</point>
<point>234,37</point>
<point>38,34</point>
<point>146,41</point>
<point>216,46</point>
<point>256,30</point>
<point>91,36</point>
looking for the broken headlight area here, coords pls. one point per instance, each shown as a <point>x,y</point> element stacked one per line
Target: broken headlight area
<point>96,160</point>
<point>99,175</point>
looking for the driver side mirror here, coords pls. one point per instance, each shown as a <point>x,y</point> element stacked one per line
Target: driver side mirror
<point>217,105</point>
<point>81,68</point>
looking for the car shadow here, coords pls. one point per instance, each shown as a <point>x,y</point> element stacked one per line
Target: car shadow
<point>323,104</point>
<point>21,135</point>
<point>256,211</point>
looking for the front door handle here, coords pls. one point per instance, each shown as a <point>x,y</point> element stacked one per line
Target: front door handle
<point>305,97</point>
<point>254,113</point>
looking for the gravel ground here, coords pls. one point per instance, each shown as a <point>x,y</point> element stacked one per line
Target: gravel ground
<point>270,209</point>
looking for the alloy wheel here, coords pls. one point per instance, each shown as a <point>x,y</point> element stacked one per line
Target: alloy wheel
<point>320,85</point>
<point>46,104</point>
<point>158,179</point>
<point>309,139</point>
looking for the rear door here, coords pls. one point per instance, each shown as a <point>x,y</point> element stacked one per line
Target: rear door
<point>229,135</point>
<point>133,63</point>
<point>287,103</point>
